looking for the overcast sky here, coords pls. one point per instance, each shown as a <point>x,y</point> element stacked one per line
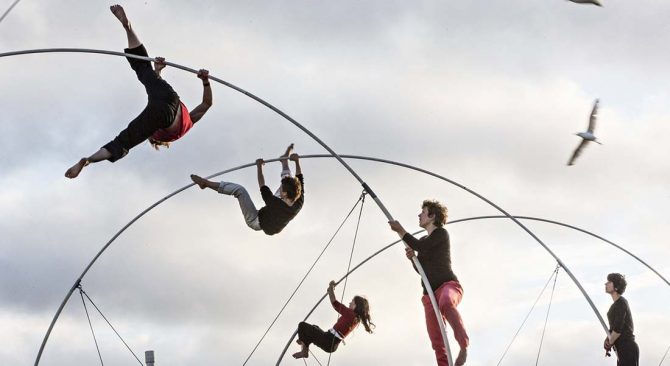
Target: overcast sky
<point>486,93</point>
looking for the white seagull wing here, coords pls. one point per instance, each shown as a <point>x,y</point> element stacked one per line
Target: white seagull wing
<point>593,117</point>
<point>577,152</point>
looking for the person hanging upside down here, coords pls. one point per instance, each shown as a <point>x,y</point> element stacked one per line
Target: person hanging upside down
<point>350,317</point>
<point>279,209</point>
<point>435,258</point>
<point>164,119</point>
<point>620,319</point>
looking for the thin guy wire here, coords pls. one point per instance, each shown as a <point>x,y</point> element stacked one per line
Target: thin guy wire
<point>663,359</point>
<point>90,325</point>
<point>546,319</point>
<point>526,318</point>
<point>111,326</point>
<point>302,280</point>
<point>351,255</point>
<point>315,358</point>
<point>8,10</point>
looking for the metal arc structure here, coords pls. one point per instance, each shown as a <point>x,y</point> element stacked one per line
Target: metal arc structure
<point>157,203</point>
<point>367,188</point>
<point>332,154</point>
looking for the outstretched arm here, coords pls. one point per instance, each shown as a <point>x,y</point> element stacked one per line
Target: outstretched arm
<point>259,168</point>
<point>199,111</point>
<point>102,154</point>
<point>296,159</point>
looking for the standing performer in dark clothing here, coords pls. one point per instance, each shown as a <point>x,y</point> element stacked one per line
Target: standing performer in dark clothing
<point>435,258</point>
<point>279,209</point>
<point>165,118</point>
<point>357,312</point>
<point>621,335</point>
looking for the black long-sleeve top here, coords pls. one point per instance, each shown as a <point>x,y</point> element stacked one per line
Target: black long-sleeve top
<point>276,214</point>
<point>433,252</point>
<point>621,320</point>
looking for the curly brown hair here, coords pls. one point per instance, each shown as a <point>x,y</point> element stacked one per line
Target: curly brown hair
<point>292,187</point>
<point>619,282</point>
<point>435,208</point>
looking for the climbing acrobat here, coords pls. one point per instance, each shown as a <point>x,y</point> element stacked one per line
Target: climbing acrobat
<point>164,119</point>
<point>279,208</point>
<point>434,255</point>
<point>350,317</point>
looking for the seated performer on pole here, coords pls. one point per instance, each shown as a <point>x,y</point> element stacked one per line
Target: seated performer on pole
<point>435,258</point>
<point>350,317</point>
<point>279,208</point>
<point>621,335</point>
<point>163,120</point>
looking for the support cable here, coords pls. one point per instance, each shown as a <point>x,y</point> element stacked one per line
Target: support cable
<point>546,319</point>
<point>315,358</point>
<point>8,10</point>
<point>663,359</point>
<point>360,199</point>
<point>553,273</point>
<point>81,291</point>
<point>351,255</point>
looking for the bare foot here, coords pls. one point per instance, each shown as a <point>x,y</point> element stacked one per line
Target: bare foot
<point>120,14</point>
<point>289,151</point>
<point>301,354</point>
<point>201,182</point>
<point>74,170</point>
<point>462,356</point>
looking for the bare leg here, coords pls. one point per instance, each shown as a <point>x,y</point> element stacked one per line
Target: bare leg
<point>204,183</point>
<point>99,155</point>
<point>120,14</point>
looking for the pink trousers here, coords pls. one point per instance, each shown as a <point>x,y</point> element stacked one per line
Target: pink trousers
<point>448,296</point>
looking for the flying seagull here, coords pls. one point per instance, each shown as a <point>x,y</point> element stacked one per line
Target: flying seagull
<point>594,2</point>
<point>586,136</point>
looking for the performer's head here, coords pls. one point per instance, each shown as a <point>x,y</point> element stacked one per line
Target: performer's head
<point>433,212</point>
<point>291,188</point>
<point>156,144</point>
<point>616,282</point>
<point>361,308</point>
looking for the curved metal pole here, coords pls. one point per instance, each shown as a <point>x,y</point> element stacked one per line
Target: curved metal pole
<point>574,228</point>
<point>454,222</point>
<point>367,188</point>
<point>69,294</point>
<point>223,82</point>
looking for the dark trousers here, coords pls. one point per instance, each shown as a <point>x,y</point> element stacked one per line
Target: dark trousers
<point>628,353</point>
<point>159,113</point>
<point>312,334</point>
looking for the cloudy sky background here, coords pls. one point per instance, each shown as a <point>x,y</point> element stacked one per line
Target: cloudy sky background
<point>486,93</point>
